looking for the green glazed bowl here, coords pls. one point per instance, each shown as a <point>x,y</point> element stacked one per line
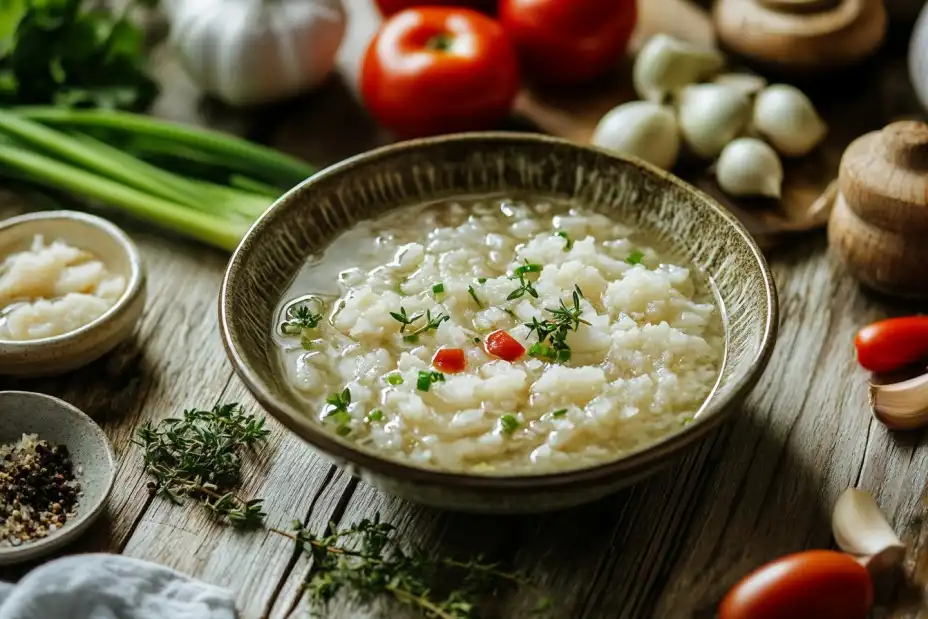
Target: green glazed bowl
<point>676,215</point>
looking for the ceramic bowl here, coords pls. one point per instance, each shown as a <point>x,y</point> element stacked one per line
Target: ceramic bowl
<point>23,412</point>
<point>62,353</point>
<point>676,215</point>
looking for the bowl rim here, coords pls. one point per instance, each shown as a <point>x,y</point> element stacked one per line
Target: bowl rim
<point>86,514</point>
<point>344,451</point>
<point>134,285</point>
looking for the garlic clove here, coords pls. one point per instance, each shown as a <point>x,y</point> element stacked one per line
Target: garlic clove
<point>860,529</point>
<point>711,116</point>
<point>749,167</point>
<point>902,405</point>
<point>746,83</point>
<point>666,64</point>
<point>785,116</point>
<point>642,129</point>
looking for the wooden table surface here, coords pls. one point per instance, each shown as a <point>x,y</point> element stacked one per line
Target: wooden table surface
<point>670,547</point>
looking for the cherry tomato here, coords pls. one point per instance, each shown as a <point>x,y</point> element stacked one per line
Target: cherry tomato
<point>389,7</point>
<point>566,42</point>
<point>501,344</point>
<point>449,360</point>
<point>436,70</point>
<point>817,584</point>
<point>891,344</point>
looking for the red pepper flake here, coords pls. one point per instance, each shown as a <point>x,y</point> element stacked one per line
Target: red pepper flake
<point>450,360</point>
<point>501,344</point>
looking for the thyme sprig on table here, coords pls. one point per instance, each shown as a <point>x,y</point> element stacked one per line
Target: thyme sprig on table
<point>199,456</point>
<point>364,559</point>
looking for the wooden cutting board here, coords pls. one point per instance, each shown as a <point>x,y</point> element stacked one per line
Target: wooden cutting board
<point>573,114</point>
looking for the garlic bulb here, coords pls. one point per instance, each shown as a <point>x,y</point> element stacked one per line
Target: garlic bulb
<point>749,167</point>
<point>711,116</point>
<point>248,52</point>
<point>665,64</point>
<point>786,117</point>
<point>641,129</point>
<point>861,529</point>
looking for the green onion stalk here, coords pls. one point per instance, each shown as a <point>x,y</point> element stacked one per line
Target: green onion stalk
<point>74,151</point>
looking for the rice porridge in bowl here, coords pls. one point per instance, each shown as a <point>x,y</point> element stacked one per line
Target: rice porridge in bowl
<point>499,336</point>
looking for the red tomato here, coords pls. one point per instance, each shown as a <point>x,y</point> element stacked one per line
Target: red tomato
<point>566,42</point>
<point>449,360</point>
<point>501,344</point>
<point>435,70</point>
<point>892,344</point>
<point>389,7</point>
<point>817,584</point>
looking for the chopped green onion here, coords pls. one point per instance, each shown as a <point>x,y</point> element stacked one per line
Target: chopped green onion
<point>559,413</point>
<point>541,351</point>
<point>563,235</point>
<point>635,257</point>
<point>425,379</point>
<point>375,415</point>
<point>395,379</point>
<point>438,288</point>
<point>481,280</point>
<point>477,340</point>
<point>527,268</point>
<point>509,423</point>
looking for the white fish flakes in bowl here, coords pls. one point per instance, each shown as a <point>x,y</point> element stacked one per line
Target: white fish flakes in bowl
<point>72,286</point>
<point>500,336</point>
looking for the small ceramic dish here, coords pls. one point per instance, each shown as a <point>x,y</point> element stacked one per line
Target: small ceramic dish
<point>59,423</point>
<point>676,215</point>
<point>63,353</point>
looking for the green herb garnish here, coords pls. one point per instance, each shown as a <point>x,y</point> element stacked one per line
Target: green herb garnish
<point>404,319</point>
<point>425,380</point>
<point>375,415</point>
<point>481,280</point>
<point>438,288</point>
<point>473,295</point>
<point>431,324</point>
<point>552,334</point>
<point>635,257</point>
<point>563,235</point>
<point>200,456</point>
<point>338,411</point>
<point>395,379</point>
<point>525,287</point>
<point>301,319</point>
<point>559,413</point>
<point>527,268</point>
<point>508,423</point>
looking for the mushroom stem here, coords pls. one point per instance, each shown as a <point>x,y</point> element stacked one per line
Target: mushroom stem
<point>861,530</point>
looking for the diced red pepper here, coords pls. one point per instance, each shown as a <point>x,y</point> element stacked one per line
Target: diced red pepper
<point>501,344</point>
<point>449,360</point>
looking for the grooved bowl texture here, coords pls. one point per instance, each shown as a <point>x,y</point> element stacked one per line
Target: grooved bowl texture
<point>674,214</point>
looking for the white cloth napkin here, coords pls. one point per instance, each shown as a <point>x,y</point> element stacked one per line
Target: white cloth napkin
<point>102,586</point>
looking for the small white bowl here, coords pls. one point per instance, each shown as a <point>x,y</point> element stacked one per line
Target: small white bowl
<point>63,353</point>
<point>59,423</point>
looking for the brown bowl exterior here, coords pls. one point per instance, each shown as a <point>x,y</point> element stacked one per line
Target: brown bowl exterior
<point>677,216</point>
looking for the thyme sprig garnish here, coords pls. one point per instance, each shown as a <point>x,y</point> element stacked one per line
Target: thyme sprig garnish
<point>302,320</point>
<point>552,334</point>
<point>404,320</point>
<point>431,324</point>
<point>365,559</point>
<point>525,287</point>
<point>338,411</point>
<point>473,295</point>
<point>199,456</point>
